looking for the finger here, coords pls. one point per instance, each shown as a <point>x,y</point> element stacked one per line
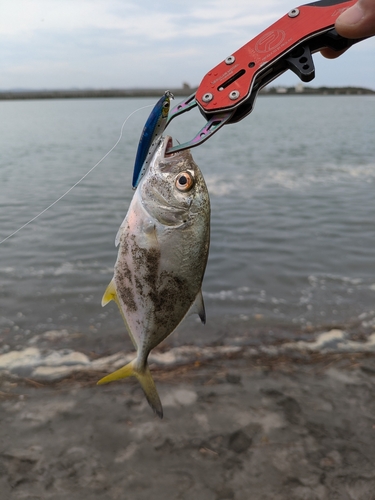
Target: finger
<point>358,21</point>
<point>332,54</point>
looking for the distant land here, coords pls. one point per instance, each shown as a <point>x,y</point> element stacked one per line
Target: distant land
<point>300,89</point>
<point>185,90</point>
<point>90,93</point>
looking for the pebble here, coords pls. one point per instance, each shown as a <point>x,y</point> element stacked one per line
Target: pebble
<point>180,397</point>
<point>239,441</point>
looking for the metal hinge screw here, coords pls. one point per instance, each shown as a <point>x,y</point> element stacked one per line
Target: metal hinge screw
<point>234,95</point>
<point>293,13</point>
<point>207,97</point>
<point>230,60</point>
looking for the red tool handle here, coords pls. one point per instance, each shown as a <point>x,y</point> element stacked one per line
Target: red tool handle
<point>231,81</point>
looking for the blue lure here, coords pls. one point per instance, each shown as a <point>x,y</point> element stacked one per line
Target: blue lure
<point>151,135</point>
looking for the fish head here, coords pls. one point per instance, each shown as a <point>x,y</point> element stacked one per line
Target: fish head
<point>173,190</point>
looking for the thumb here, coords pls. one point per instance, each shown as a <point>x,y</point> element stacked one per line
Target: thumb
<point>358,21</point>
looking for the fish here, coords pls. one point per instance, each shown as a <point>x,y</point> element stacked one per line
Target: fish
<point>163,249</point>
<point>151,136</point>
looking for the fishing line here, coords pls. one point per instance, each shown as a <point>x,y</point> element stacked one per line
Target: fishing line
<point>80,180</point>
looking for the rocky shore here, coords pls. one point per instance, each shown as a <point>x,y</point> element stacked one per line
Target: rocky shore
<point>282,422</point>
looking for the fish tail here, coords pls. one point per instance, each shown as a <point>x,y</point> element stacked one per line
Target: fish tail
<point>125,371</point>
<point>148,385</point>
<point>145,379</point>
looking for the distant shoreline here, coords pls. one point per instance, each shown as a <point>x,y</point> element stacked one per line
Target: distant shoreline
<point>89,93</point>
<point>180,92</point>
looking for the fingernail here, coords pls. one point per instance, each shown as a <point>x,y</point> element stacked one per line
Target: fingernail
<point>352,16</point>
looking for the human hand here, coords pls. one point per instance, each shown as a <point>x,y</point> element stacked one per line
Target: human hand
<point>356,22</point>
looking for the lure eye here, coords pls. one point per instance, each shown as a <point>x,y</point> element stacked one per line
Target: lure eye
<point>165,109</point>
<point>184,181</point>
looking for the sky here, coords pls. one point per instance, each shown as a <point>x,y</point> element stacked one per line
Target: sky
<point>62,44</point>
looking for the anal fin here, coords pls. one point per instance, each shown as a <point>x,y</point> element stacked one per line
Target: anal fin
<point>110,293</point>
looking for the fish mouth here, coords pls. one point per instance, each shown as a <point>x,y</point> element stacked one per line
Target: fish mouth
<point>167,144</point>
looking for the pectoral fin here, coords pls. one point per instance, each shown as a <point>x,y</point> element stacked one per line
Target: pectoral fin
<point>109,294</point>
<point>119,233</point>
<point>118,236</point>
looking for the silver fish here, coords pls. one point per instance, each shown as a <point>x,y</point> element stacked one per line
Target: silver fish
<point>164,242</point>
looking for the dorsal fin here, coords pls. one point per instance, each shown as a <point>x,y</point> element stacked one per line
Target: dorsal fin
<point>198,307</point>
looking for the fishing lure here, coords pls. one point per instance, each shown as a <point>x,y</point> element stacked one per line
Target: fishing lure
<point>151,135</point>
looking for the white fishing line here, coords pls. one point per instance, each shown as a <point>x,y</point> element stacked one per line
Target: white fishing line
<point>80,180</point>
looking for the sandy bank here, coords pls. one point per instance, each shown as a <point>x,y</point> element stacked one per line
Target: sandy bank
<point>266,426</point>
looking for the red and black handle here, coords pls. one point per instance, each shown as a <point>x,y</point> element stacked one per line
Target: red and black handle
<point>287,44</point>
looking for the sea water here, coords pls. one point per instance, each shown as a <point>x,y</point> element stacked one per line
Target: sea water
<point>292,229</point>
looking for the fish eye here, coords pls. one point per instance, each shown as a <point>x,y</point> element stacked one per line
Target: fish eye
<point>166,104</point>
<point>184,181</point>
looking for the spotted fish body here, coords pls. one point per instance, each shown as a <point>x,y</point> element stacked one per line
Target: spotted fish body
<point>151,136</point>
<point>163,249</point>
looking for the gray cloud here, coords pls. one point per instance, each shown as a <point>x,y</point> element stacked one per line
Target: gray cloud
<point>117,43</point>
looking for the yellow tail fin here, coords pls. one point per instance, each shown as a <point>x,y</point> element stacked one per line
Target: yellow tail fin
<point>145,379</point>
